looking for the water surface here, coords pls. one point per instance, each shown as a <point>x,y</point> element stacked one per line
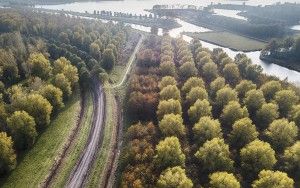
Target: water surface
<point>138,6</point>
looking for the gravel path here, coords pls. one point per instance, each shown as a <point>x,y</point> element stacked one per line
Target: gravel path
<point>81,169</point>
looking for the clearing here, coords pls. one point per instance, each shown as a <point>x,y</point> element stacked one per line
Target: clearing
<point>229,40</point>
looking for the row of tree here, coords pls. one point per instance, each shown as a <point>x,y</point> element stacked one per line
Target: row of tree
<point>220,120</point>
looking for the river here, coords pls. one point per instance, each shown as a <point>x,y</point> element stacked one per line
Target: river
<point>138,6</point>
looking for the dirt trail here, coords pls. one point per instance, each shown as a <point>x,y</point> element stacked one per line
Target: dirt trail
<point>130,62</point>
<point>81,170</point>
<point>108,175</point>
<point>58,161</point>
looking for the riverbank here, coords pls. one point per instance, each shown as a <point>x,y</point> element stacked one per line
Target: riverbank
<point>166,24</point>
<point>284,63</point>
<point>229,40</point>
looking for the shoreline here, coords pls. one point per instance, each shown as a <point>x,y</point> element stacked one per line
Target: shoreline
<point>283,63</point>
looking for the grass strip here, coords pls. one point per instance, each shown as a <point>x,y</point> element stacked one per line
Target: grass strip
<point>229,40</point>
<point>77,146</point>
<point>36,163</point>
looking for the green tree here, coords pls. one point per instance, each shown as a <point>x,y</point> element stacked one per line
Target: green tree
<point>187,70</point>
<point>295,114</point>
<point>170,106</point>
<point>54,95</point>
<point>199,56</point>
<point>254,100</point>
<point>172,125</point>
<point>231,73</point>
<point>273,179</point>
<point>243,87</point>
<point>39,66</point>
<point>282,134</point>
<point>114,49</point>
<point>170,92</point>
<point>243,132</point>
<point>233,112</point>
<point>285,100</point>
<point>224,96</point>
<point>165,81</point>
<point>95,50</point>
<point>270,88</point>
<point>195,94</point>
<point>206,129</point>
<point>223,180</point>
<point>256,156</point>
<point>216,85</point>
<point>61,82</point>
<point>7,154</point>
<point>108,59</point>
<point>191,83</point>
<point>174,178</point>
<point>267,114</point>
<point>210,71</point>
<point>214,155</point>
<point>292,157</point>
<point>200,109</point>
<point>9,71</point>
<point>169,153</point>
<point>22,127</point>
<point>167,68</point>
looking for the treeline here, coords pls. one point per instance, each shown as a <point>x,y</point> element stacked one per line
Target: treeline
<point>201,118</point>
<point>287,13</point>
<point>283,49</point>
<point>43,59</point>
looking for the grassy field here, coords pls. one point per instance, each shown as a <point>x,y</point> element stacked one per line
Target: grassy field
<point>117,74</point>
<point>96,177</point>
<point>229,40</point>
<point>36,163</point>
<point>77,146</point>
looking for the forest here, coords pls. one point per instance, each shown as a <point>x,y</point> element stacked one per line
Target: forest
<point>44,59</point>
<point>199,118</point>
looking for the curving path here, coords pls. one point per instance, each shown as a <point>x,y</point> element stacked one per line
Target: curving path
<point>81,170</point>
<point>130,62</point>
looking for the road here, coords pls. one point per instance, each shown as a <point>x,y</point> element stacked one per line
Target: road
<point>80,172</point>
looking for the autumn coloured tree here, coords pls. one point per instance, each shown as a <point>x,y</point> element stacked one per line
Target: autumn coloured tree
<point>7,154</point>
<point>23,129</point>
<point>39,66</point>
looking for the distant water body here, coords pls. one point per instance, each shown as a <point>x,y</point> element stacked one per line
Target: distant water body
<point>138,6</point>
